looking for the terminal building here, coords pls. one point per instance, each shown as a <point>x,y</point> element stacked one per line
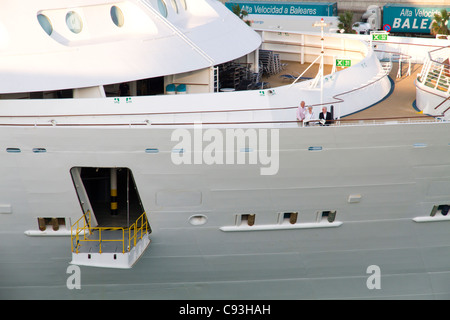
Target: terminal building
<point>402,18</point>
<point>358,7</point>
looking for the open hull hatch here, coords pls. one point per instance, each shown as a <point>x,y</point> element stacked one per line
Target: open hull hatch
<point>110,233</point>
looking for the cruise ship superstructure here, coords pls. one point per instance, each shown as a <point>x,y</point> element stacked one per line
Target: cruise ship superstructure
<point>126,169</point>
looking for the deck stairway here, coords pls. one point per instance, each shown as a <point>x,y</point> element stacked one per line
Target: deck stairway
<point>386,66</point>
<point>403,61</point>
<point>438,77</point>
<point>108,247</point>
<point>435,76</point>
<point>444,108</point>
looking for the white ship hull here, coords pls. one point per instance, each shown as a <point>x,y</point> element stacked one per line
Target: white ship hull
<point>397,170</point>
<point>338,212</point>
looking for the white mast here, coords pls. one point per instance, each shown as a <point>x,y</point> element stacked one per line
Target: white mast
<point>321,24</point>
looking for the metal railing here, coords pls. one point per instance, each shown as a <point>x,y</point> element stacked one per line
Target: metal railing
<point>138,227</point>
<point>81,232</point>
<point>436,70</point>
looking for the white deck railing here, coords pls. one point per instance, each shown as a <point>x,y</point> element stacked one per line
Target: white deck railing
<point>435,73</point>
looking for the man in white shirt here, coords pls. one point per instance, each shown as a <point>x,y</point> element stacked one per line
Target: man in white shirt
<point>301,111</point>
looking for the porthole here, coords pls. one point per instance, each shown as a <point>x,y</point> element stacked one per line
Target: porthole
<point>174,5</point>
<point>198,220</point>
<point>183,3</point>
<point>74,22</point>
<point>117,16</point>
<point>162,8</point>
<point>45,23</point>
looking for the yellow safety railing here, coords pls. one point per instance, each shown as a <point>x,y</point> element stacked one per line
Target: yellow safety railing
<point>82,226</point>
<point>138,227</point>
<point>81,230</point>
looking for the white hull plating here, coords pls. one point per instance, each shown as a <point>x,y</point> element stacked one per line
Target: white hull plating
<point>112,260</point>
<point>342,201</point>
<point>398,171</point>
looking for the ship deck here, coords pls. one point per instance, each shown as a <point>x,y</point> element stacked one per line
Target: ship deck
<point>399,105</point>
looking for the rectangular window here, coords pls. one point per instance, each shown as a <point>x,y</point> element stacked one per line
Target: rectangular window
<point>288,217</point>
<point>39,150</point>
<point>329,216</point>
<point>53,223</point>
<point>13,150</point>
<point>245,220</point>
<point>440,210</point>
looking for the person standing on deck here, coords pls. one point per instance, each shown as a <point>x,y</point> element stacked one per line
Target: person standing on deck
<point>301,111</point>
<point>309,116</point>
<point>325,117</point>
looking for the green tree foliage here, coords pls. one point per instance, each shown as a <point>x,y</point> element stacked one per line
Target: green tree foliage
<point>240,13</point>
<point>346,21</point>
<point>440,23</point>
